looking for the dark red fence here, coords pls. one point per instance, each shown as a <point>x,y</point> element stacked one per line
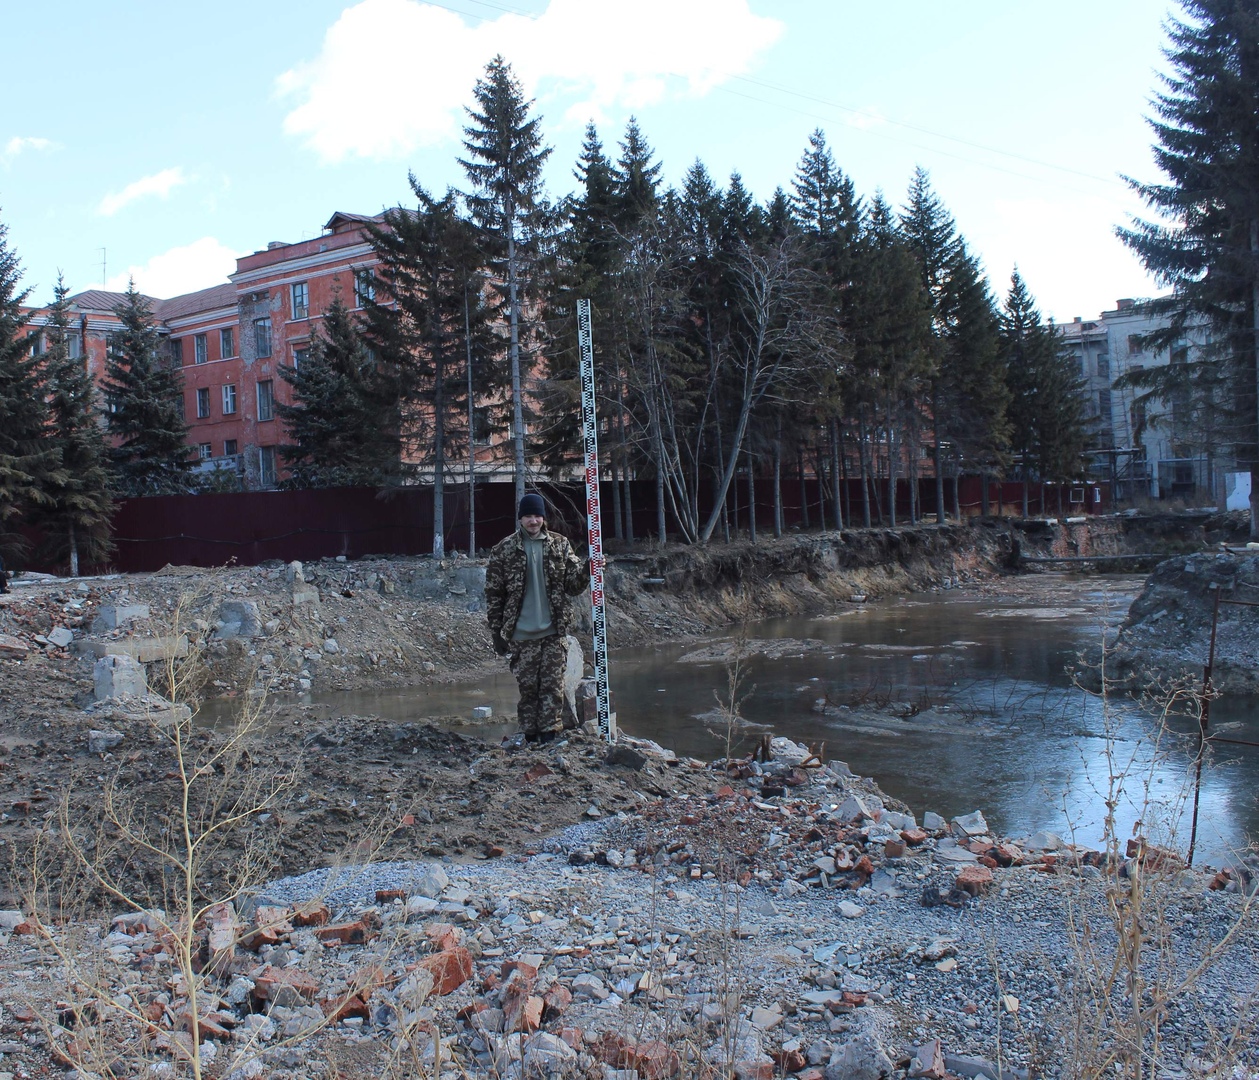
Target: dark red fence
<point>253,527</point>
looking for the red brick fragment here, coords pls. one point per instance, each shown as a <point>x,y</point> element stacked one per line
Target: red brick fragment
<point>556,1001</point>
<point>975,880</point>
<point>988,861</point>
<point>536,772</point>
<point>894,849</point>
<point>442,936</point>
<point>914,837</point>
<point>388,896</point>
<point>269,982</point>
<point>788,1061</point>
<point>345,1008</point>
<point>495,851</point>
<point>654,1060</point>
<point>357,932</point>
<point>312,913</point>
<point>450,969</point>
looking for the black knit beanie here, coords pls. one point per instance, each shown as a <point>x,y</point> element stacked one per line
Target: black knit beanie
<point>532,504</point>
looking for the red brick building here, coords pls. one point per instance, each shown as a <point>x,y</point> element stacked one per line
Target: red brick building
<point>230,341</point>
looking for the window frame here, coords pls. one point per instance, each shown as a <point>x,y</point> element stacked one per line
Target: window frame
<point>205,451</point>
<point>203,402</point>
<point>267,396</point>
<point>301,310</point>
<point>200,348</point>
<point>229,399</point>
<point>364,286</point>
<point>227,343</point>
<point>262,337</point>
<point>231,447</point>
<point>267,477</point>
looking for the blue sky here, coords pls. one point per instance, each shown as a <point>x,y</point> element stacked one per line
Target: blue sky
<point>176,137</point>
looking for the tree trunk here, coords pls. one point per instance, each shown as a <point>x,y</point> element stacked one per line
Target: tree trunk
<point>891,471</point>
<point>439,455</point>
<point>751,496</point>
<point>835,477</point>
<point>804,491</point>
<point>778,481</point>
<point>863,457</point>
<point>939,458</point>
<point>74,552</point>
<point>467,341</point>
<point>1254,322</point>
<point>517,402</point>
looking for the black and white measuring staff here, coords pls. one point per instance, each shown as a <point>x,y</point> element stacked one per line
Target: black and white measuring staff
<point>594,520</point>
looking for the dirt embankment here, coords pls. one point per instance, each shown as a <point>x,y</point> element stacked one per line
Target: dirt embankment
<point>405,622</point>
<point>1167,633</point>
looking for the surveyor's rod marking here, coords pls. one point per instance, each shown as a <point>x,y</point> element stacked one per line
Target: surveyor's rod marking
<point>594,521</point>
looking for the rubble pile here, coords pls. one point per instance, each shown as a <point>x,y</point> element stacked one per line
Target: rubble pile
<point>820,933</point>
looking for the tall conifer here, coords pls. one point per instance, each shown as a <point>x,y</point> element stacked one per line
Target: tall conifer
<point>504,164</point>
<point>145,408</point>
<point>1205,241</point>
<point>76,517</point>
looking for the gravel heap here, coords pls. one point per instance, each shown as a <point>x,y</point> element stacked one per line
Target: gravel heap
<point>818,932</point>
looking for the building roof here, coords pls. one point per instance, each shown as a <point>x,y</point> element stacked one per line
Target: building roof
<point>101,300</point>
<point>217,296</point>
<point>341,218</point>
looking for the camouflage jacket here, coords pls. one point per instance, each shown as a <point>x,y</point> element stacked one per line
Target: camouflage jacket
<point>566,576</point>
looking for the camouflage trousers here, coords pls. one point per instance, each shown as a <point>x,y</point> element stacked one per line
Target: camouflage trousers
<point>539,670</point>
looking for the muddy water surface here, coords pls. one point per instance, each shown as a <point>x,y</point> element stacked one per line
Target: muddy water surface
<point>954,702</point>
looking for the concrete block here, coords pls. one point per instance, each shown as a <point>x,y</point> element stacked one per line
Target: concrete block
<point>119,676</point>
<point>98,742</point>
<point>61,637</point>
<point>117,616</point>
<point>239,618</point>
<point>147,650</point>
<point>12,648</point>
<point>574,670</point>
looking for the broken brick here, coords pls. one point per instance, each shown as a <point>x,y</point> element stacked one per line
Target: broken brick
<point>270,982</point>
<point>556,1001</point>
<point>388,896</point>
<point>974,880</point>
<point>914,837</point>
<point>348,933</point>
<point>450,969</point>
<point>313,913</point>
<point>536,772</point>
<point>654,1060</point>
<point>442,936</point>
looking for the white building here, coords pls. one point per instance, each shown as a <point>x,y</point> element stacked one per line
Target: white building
<point>1156,450</point>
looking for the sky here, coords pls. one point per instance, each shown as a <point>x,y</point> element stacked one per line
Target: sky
<point>161,141</point>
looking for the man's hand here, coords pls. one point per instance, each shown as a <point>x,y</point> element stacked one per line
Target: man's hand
<point>500,644</point>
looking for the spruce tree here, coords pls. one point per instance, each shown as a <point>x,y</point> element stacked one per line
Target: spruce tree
<point>504,164</point>
<point>339,423</point>
<point>635,179</point>
<point>1047,428</point>
<point>430,320</point>
<point>145,408</point>
<point>77,514</point>
<point>1205,239</point>
<point>29,464</point>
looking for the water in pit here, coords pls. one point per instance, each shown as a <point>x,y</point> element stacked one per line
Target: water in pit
<point>952,702</point>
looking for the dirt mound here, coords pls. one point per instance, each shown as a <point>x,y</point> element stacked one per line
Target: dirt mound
<point>1167,632</point>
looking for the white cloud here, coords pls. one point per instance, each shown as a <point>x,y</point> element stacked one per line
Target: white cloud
<point>160,184</point>
<point>185,269</point>
<point>19,145</point>
<point>585,56</point>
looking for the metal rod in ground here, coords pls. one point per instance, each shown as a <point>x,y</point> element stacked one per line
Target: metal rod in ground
<point>594,519</point>
<point>1203,722</point>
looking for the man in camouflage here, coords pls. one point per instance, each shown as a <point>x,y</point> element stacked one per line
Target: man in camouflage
<point>528,584</point>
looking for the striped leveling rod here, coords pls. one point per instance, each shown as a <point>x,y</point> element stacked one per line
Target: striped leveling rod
<point>594,520</point>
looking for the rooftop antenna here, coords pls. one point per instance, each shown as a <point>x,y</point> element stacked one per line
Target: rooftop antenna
<point>103,277</point>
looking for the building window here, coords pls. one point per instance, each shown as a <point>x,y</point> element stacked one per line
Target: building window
<point>262,336</point>
<point>300,356</point>
<point>35,342</point>
<point>1103,366</point>
<point>301,300</point>
<point>177,352</point>
<point>364,287</point>
<point>203,403</point>
<point>74,346</point>
<point>266,466</point>
<point>227,343</point>
<point>205,451</point>
<point>229,399</point>
<point>482,426</point>
<point>266,401</point>
<point>1134,344</point>
<point>1103,405</point>
<point>229,448</point>
<point>200,349</point>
